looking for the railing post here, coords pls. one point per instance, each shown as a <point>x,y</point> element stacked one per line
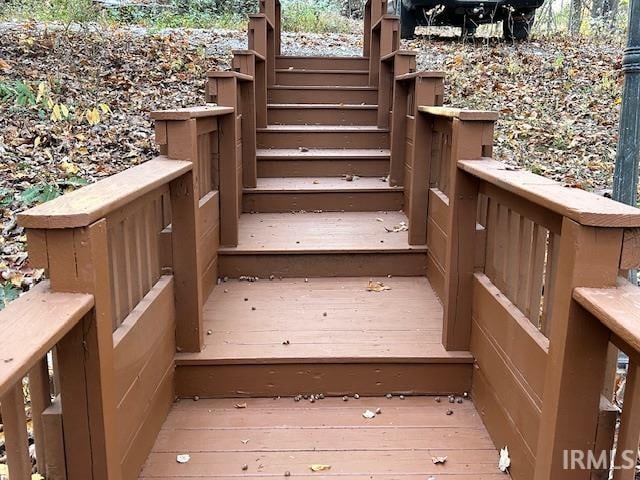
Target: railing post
<point>366,43</point>
<point>223,89</point>
<point>472,138</point>
<point>273,12</point>
<point>588,257</point>
<point>78,261</point>
<point>15,432</point>
<point>249,63</point>
<point>245,63</point>
<point>424,89</point>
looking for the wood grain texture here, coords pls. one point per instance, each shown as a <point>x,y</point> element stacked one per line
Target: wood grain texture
<point>291,436</point>
<point>581,206</point>
<point>87,204</point>
<point>32,325</point>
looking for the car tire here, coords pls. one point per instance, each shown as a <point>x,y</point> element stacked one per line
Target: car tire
<point>518,26</point>
<point>408,22</point>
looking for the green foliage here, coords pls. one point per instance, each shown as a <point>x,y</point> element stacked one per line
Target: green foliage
<point>65,11</point>
<point>314,16</point>
<point>18,92</point>
<point>40,193</point>
<point>6,197</point>
<point>8,293</point>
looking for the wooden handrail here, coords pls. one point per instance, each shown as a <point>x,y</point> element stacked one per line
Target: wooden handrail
<point>618,308</point>
<point>32,325</point>
<point>579,205</point>
<point>84,206</point>
<point>191,112</point>
<point>449,112</point>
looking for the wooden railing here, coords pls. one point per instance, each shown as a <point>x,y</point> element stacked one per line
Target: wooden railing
<point>130,261</point>
<point>506,250</point>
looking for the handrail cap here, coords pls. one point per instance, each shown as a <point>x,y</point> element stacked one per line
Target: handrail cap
<point>84,206</point>
<point>191,112</point>
<point>583,207</point>
<point>616,307</point>
<point>421,74</point>
<point>460,113</point>
<point>32,325</point>
<point>245,51</point>
<point>243,77</point>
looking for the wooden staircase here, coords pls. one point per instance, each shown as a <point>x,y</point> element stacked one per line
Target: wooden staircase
<point>322,207</point>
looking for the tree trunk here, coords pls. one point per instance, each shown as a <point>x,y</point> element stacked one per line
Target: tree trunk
<point>575,17</point>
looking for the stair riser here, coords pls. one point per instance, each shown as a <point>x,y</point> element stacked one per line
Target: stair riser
<point>365,139</point>
<point>322,264</point>
<point>325,201</point>
<point>322,168</point>
<point>322,116</point>
<point>328,95</point>
<point>310,63</point>
<point>370,379</point>
<point>346,79</point>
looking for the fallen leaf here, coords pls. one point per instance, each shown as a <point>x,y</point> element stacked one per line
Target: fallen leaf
<point>401,227</point>
<point>241,405</point>
<point>4,66</point>
<point>377,286</point>
<point>438,460</point>
<point>505,462</point>
<point>368,414</point>
<point>93,116</point>
<point>183,458</point>
<point>318,467</point>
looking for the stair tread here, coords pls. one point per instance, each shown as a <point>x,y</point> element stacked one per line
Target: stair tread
<point>337,153</point>
<point>335,232</point>
<point>314,71</point>
<point>323,87</point>
<point>321,184</point>
<point>346,106</point>
<point>356,327</point>
<point>323,128</point>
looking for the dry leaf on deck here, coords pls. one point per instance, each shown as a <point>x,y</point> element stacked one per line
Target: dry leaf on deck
<point>438,460</point>
<point>183,458</point>
<point>318,467</point>
<point>368,414</point>
<point>241,405</point>
<point>505,462</point>
<point>401,227</point>
<point>377,286</point>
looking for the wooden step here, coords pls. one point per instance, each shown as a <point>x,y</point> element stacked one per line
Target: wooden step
<point>346,78</point>
<point>320,63</point>
<point>321,114</point>
<point>321,335</point>
<point>274,195</point>
<point>277,435</point>
<point>322,245</point>
<point>322,136</point>
<point>322,94</point>
<point>325,162</point>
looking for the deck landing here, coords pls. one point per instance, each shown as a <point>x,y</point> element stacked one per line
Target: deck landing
<point>274,436</point>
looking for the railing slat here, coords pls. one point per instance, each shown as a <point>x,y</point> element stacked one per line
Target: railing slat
<point>15,432</point>
<point>40,393</point>
<point>629,435</point>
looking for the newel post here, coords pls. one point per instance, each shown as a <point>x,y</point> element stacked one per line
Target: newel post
<point>177,133</point>
<point>578,345</point>
<point>77,261</point>
<point>471,139</point>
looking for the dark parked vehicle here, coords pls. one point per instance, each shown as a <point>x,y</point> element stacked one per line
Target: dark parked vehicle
<point>517,15</point>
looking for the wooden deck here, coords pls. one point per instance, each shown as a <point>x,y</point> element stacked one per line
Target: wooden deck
<point>329,335</point>
<point>275,436</point>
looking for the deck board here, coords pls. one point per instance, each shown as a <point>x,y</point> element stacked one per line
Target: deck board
<point>351,232</point>
<point>272,436</point>
<point>401,324</point>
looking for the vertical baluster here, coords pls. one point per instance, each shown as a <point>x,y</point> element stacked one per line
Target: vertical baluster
<point>40,394</point>
<point>15,433</point>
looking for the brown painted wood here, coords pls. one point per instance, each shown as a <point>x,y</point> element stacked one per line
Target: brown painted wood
<point>629,434</point>
<point>321,114</point>
<point>346,78</point>
<point>320,63</point>
<point>274,195</point>
<point>323,136</point>
<point>583,207</point>
<point>323,94</point>
<point>88,204</point>
<point>32,325</point>
<point>185,237</point>
<point>14,423</point>
<point>190,112</point>
<point>292,436</point>
<point>588,257</point>
<point>40,396</point>
<point>54,441</point>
